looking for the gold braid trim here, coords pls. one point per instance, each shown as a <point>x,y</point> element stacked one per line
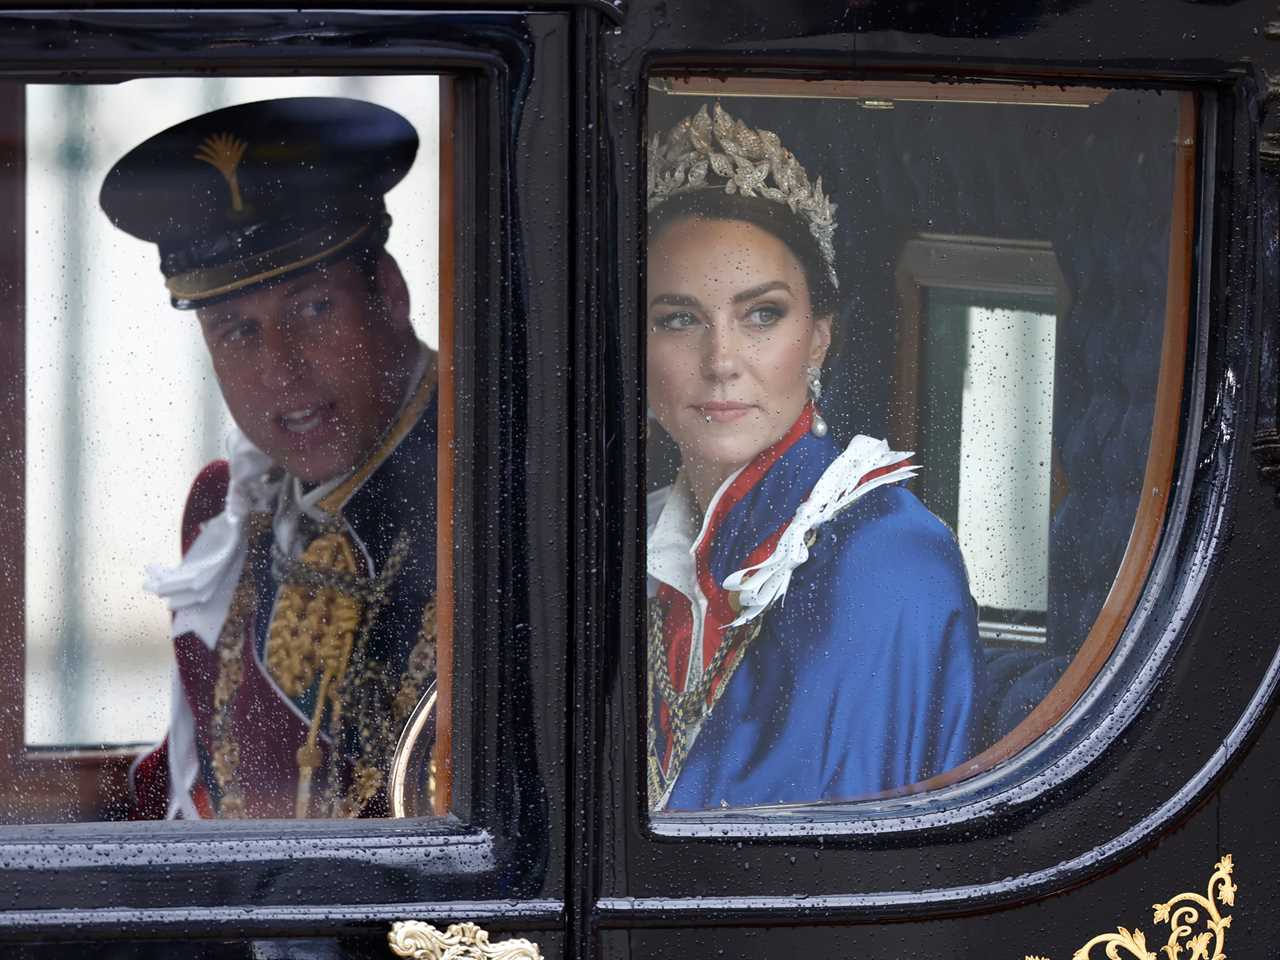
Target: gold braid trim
<point>357,692</point>
<point>375,710</point>
<point>313,627</point>
<point>405,421</point>
<point>370,770</point>
<point>226,749</point>
<point>419,668</point>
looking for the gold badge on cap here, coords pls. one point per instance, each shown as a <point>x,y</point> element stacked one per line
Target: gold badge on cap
<point>224,152</point>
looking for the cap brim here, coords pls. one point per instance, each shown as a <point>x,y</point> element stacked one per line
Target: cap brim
<point>196,288</point>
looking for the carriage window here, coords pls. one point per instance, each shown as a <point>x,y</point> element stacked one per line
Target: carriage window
<point>913,365</point>
<point>222,400</point>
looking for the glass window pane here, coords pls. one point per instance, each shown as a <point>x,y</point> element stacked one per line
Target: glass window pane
<point>294,224</point>
<point>907,348</point>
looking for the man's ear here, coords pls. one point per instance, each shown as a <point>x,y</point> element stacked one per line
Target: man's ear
<point>821,341</point>
<point>394,292</point>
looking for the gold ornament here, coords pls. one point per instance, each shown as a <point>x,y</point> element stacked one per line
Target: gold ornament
<point>329,624</point>
<point>357,692</point>
<point>703,152</point>
<point>462,941</point>
<point>314,625</point>
<point>224,152</point>
<point>1183,913</point>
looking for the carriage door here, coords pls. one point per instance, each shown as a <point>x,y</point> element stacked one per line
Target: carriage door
<point>949,694</point>
<point>453,817</point>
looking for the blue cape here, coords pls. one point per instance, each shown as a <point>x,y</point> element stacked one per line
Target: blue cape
<point>865,678</point>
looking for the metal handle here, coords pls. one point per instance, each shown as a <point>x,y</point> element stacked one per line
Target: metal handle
<point>411,787</point>
<point>462,941</point>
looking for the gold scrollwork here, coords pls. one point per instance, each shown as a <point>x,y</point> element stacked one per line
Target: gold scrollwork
<point>1184,913</point>
<point>462,941</point>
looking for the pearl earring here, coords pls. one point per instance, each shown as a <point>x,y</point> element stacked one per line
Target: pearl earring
<point>819,426</point>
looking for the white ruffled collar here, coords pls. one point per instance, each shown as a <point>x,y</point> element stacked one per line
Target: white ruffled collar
<point>865,464</point>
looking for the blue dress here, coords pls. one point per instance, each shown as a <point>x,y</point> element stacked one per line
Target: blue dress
<point>865,677</point>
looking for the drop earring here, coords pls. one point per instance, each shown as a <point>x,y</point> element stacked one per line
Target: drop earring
<point>818,427</point>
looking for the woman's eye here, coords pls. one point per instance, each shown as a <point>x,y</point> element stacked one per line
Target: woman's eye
<point>676,321</point>
<point>765,315</point>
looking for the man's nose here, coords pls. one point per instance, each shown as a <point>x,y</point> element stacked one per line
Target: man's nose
<point>722,352</point>
<point>279,363</point>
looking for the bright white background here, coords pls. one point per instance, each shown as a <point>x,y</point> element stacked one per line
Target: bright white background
<point>1005,456</point>
<point>122,407</point>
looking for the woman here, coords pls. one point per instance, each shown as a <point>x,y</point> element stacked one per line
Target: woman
<point>811,631</point>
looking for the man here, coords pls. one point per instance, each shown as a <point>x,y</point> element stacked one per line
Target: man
<point>304,626</point>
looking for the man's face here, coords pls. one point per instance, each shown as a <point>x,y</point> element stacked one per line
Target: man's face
<point>314,369</point>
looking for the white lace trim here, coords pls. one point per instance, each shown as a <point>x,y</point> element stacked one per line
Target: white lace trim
<point>760,586</point>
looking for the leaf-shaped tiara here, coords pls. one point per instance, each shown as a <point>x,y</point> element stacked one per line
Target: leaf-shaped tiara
<point>706,152</point>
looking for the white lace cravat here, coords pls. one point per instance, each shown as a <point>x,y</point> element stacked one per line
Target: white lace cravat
<point>199,589</point>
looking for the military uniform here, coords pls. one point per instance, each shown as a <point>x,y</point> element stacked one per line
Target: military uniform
<point>304,613</point>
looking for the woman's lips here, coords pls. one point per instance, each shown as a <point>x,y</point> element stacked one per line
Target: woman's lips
<point>719,411</point>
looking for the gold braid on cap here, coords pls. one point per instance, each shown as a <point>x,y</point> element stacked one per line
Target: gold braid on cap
<point>710,152</point>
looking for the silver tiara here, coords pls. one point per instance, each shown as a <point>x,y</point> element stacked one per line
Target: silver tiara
<point>702,151</point>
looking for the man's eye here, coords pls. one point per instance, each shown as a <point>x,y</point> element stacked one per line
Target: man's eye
<point>237,333</point>
<point>315,309</point>
<point>680,320</point>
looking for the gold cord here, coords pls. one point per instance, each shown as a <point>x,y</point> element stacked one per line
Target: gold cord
<point>312,631</point>
<point>337,626</point>
<point>313,625</point>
